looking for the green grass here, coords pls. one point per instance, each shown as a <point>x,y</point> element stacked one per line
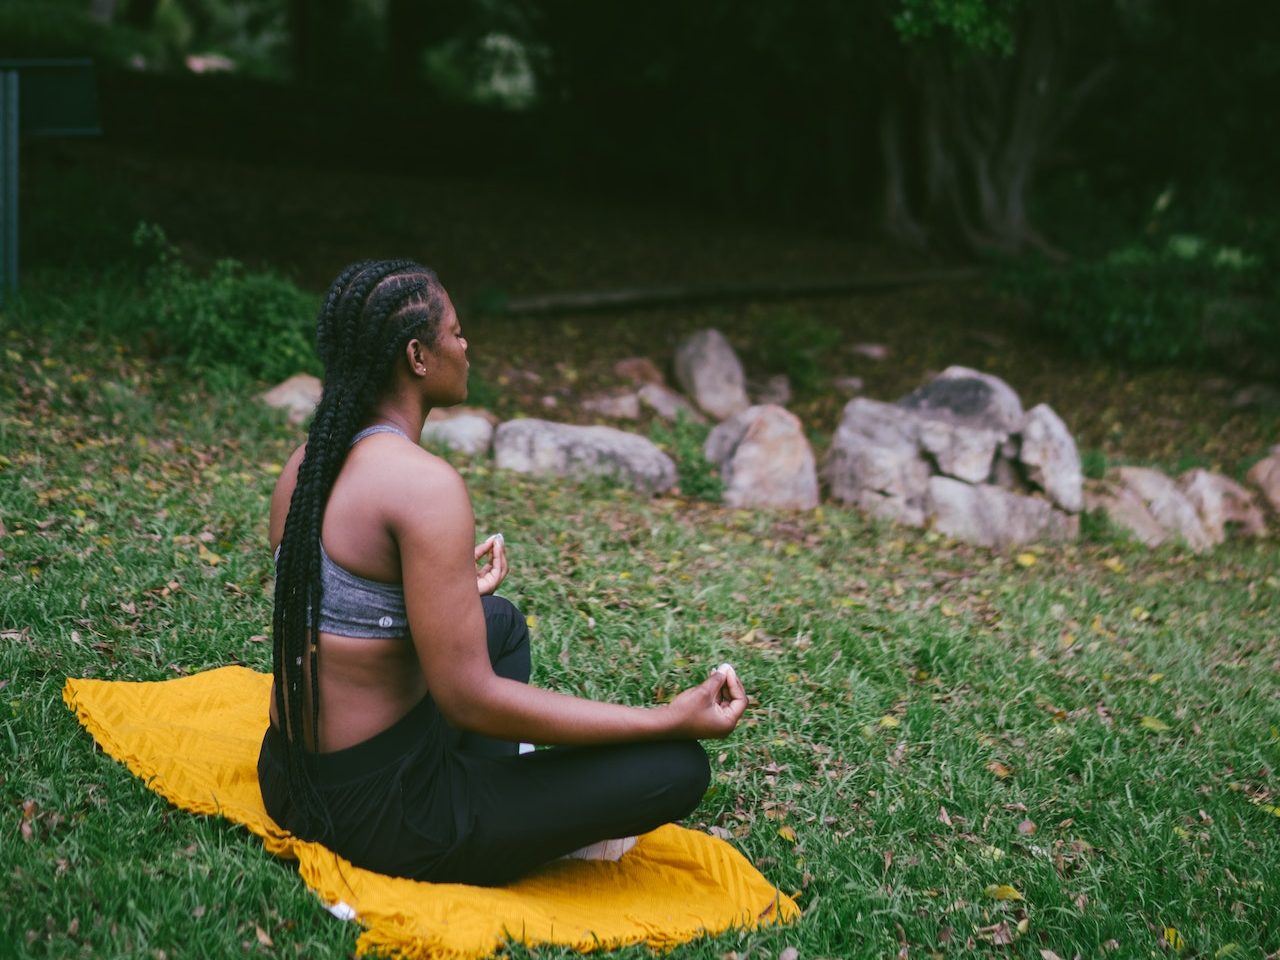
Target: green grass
<point>893,674</point>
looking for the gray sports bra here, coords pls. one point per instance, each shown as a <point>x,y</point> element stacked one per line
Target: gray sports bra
<point>353,606</point>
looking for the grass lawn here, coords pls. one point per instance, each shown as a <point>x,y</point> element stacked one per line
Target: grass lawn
<point>949,751</point>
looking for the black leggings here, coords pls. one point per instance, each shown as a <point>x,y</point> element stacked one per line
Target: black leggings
<point>424,800</point>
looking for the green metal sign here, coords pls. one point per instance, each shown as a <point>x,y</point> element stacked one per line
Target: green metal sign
<point>38,98</point>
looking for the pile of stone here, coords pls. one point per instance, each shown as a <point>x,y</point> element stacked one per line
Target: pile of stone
<point>1200,508</point>
<point>959,454</point>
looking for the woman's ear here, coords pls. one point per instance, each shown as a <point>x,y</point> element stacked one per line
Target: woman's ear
<point>418,356</point>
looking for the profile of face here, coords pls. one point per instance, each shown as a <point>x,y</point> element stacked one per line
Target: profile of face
<point>447,367</point>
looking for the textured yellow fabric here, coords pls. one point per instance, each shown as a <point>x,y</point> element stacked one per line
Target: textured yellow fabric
<point>194,741</point>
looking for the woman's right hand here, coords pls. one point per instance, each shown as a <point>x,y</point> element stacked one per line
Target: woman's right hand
<point>711,709</point>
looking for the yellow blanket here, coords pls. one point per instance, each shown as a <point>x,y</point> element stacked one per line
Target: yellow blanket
<point>194,741</point>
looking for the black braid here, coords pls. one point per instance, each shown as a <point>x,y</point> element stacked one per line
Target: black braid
<point>370,312</point>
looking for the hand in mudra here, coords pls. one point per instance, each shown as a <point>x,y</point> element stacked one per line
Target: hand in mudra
<point>713,708</point>
<point>490,576</point>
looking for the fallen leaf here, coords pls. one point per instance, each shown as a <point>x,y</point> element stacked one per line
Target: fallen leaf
<point>1049,955</point>
<point>208,556</point>
<point>263,937</point>
<point>720,832</point>
<point>258,638</point>
<point>1154,724</point>
<point>1114,564</point>
<point>1027,827</point>
<point>1172,938</point>
<point>944,817</point>
<point>787,834</point>
<point>790,953</point>
<point>1002,891</point>
<point>1111,945</point>
<point>890,722</point>
<point>999,769</point>
<point>1027,559</point>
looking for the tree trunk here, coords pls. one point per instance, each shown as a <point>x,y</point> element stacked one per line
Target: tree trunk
<point>984,122</point>
<point>141,14</point>
<point>102,11</point>
<point>407,22</point>
<point>315,28</point>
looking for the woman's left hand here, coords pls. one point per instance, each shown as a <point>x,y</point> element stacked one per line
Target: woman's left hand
<point>490,576</point>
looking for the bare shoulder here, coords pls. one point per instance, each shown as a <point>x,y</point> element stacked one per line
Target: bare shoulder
<point>283,493</point>
<point>418,487</point>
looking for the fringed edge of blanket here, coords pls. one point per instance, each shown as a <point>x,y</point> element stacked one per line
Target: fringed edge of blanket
<point>384,940</point>
<point>277,842</point>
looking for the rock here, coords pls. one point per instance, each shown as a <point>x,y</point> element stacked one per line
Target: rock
<point>298,395</point>
<point>774,391</point>
<point>992,517</point>
<point>872,351</point>
<point>1007,474</point>
<point>668,404</point>
<point>468,433</point>
<point>765,460</point>
<point>1221,501</point>
<point>560,449</point>
<point>965,453</point>
<point>639,371</point>
<point>968,398</point>
<point>1265,475</point>
<point>1167,504</point>
<point>874,461</point>
<point>1126,510</point>
<point>441,414</point>
<point>849,385</point>
<point>1049,456</point>
<point>710,372</point>
<point>618,405</point>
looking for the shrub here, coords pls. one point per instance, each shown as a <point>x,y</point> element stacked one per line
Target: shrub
<point>684,441</point>
<point>1183,300</point>
<point>793,344</point>
<point>259,323</point>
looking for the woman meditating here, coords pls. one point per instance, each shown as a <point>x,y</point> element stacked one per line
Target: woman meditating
<point>401,694</point>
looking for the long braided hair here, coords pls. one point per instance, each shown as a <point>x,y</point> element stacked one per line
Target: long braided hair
<point>370,312</point>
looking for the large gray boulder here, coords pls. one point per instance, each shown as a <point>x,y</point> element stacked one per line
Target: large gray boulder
<point>559,449</point>
<point>710,372</point>
<point>992,517</point>
<point>969,398</point>
<point>1049,457</point>
<point>297,396</point>
<point>765,460</point>
<point>1223,505</point>
<point>874,461</point>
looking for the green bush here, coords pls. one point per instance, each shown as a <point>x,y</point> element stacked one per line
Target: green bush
<point>684,441</point>
<point>57,28</point>
<point>258,323</point>
<point>793,343</point>
<point>1181,300</point>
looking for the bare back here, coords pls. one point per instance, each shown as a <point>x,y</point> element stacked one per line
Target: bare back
<point>366,684</point>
